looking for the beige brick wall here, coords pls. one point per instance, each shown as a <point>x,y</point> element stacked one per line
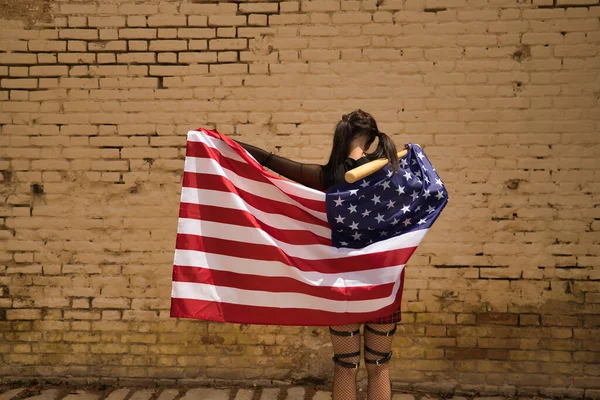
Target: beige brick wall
<point>96,99</point>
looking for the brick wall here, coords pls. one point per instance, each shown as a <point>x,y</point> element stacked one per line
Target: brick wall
<point>96,99</point>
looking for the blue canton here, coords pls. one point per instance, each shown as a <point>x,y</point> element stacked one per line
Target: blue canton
<point>386,204</point>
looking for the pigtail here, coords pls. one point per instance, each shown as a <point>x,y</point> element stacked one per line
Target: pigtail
<point>341,142</point>
<point>386,149</point>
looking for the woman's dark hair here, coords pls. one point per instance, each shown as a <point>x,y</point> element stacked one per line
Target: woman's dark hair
<point>355,124</point>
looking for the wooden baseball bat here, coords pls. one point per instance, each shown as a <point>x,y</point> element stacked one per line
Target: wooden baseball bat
<point>367,169</point>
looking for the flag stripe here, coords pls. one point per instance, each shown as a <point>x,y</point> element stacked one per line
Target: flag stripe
<point>269,253</point>
<point>278,284</point>
<point>262,298</point>
<point>229,149</point>
<point>243,218</point>
<point>199,259</point>
<point>245,314</point>
<point>268,204</point>
<point>253,235</point>
<point>234,202</point>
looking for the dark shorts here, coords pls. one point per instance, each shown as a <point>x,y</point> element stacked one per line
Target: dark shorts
<point>390,319</point>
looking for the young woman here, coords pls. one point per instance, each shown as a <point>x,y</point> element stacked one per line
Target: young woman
<point>354,134</point>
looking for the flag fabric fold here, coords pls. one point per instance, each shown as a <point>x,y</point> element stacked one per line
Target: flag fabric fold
<point>255,248</point>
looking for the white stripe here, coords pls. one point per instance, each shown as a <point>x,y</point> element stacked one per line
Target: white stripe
<point>258,189</point>
<point>252,235</point>
<point>206,292</point>
<point>289,187</point>
<point>233,201</point>
<point>200,259</point>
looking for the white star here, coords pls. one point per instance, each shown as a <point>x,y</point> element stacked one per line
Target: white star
<point>354,226</point>
<point>400,190</point>
<point>418,209</point>
<point>414,195</point>
<point>426,179</point>
<point>438,181</point>
<point>338,202</point>
<point>390,173</point>
<point>379,218</point>
<point>439,195</point>
<point>362,196</point>
<point>418,173</point>
<point>366,213</point>
<point>353,192</point>
<point>370,241</point>
<point>364,184</point>
<point>426,194</point>
<point>424,168</point>
<point>375,199</point>
<point>406,222</point>
<point>390,204</point>
<point>356,235</point>
<point>405,209</point>
<point>352,208</point>
<point>430,210</point>
<point>413,162</point>
<point>340,219</point>
<point>407,175</point>
<point>343,243</point>
<point>421,156</point>
<point>421,222</point>
<point>383,233</point>
<point>395,221</point>
<point>403,163</point>
<point>386,185</point>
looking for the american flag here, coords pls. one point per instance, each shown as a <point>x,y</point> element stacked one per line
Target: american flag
<point>255,248</point>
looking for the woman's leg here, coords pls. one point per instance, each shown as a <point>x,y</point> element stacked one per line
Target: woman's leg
<point>346,355</point>
<point>378,351</point>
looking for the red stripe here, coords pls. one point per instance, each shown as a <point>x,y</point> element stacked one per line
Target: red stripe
<point>244,218</point>
<point>270,253</point>
<point>220,183</point>
<point>243,314</point>
<point>258,174</point>
<point>278,284</point>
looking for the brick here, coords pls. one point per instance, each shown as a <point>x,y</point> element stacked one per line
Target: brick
<point>82,34</point>
<point>168,45</point>
<point>257,20</point>
<point>17,58</point>
<point>227,69</point>
<point>228,44</point>
<point>167,20</point>
<point>23,314</point>
<point>222,20</point>
<point>102,22</point>
<point>56,70</point>
<point>137,33</point>
<point>108,45</point>
<point>197,57</point>
<point>195,33</point>
<point>262,8</point>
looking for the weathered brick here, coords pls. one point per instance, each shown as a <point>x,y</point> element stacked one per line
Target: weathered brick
<point>226,20</point>
<point>228,44</point>
<point>168,45</point>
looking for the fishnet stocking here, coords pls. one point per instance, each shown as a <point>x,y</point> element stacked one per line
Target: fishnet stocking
<point>379,375</point>
<point>344,379</point>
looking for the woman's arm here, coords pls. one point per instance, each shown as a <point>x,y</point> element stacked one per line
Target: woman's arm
<point>310,175</point>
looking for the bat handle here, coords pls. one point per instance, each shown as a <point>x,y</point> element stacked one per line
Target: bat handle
<point>367,169</point>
